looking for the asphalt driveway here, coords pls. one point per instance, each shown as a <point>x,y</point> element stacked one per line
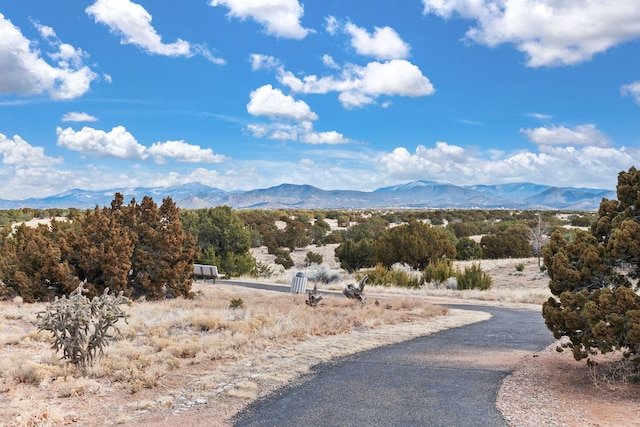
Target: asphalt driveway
<point>450,378</point>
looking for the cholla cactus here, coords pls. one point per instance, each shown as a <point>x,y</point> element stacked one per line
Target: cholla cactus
<point>81,328</point>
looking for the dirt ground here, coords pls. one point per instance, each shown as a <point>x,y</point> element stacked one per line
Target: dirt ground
<point>545,389</point>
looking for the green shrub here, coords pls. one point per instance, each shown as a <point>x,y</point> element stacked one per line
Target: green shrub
<point>377,276</point>
<point>467,248</point>
<point>312,258</point>
<point>81,328</point>
<point>438,272</point>
<point>283,258</point>
<point>473,277</point>
<point>399,275</point>
<point>236,303</point>
<point>260,269</point>
<point>520,266</point>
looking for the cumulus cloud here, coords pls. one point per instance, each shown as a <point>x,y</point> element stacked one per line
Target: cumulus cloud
<point>280,18</point>
<point>24,71</point>
<point>358,86</point>
<point>121,144</point>
<point>632,89</point>
<point>19,153</point>
<point>331,137</point>
<point>300,132</point>
<point>117,143</point>
<point>552,165</point>
<point>383,43</point>
<point>267,101</point>
<point>78,117</point>
<point>291,120</point>
<point>132,22</point>
<point>183,152</point>
<point>548,32</point>
<point>587,135</point>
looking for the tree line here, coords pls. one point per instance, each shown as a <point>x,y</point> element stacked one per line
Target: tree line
<point>146,250</point>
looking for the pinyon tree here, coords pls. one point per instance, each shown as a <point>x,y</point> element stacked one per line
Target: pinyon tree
<point>594,278</point>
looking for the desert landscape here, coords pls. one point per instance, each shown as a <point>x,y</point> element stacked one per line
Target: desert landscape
<point>193,361</point>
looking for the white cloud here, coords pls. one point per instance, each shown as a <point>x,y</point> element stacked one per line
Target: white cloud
<point>359,86</point>
<point>17,152</point>
<point>558,166</point>
<point>117,143</point>
<point>183,152</point>
<point>267,101</point>
<point>300,132</point>
<point>587,135</point>
<point>549,32</point>
<point>133,23</point>
<point>329,62</point>
<point>24,71</point>
<point>383,43</point>
<point>632,89</point>
<point>121,144</point>
<point>280,18</point>
<point>78,117</point>
<point>331,137</point>
<point>263,62</point>
<point>539,116</point>
<point>331,25</point>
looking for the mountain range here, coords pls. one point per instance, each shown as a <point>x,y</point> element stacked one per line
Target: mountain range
<point>412,195</point>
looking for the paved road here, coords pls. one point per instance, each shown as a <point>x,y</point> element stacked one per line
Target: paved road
<point>446,379</point>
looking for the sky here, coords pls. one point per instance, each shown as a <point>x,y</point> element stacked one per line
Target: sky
<point>338,94</point>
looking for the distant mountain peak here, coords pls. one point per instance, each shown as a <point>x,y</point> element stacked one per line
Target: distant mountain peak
<point>415,194</point>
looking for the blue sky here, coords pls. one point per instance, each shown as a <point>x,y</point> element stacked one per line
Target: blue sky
<point>244,94</point>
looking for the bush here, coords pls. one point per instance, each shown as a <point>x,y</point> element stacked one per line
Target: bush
<point>323,275</point>
<point>473,277</point>
<point>438,272</point>
<point>260,269</point>
<point>312,258</point>
<point>81,328</point>
<point>236,303</point>
<point>400,275</point>
<point>355,255</point>
<point>415,243</point>
<point>519,266</point>
<point>283,258</point>
<point>467,248</point>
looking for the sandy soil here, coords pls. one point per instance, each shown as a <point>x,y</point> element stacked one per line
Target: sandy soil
<point>545,389</point>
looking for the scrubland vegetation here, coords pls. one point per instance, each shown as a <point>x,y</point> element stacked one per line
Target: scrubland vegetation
<point>146,253</point>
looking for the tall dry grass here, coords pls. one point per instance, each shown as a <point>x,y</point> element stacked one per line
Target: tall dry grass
<point>197,347</point>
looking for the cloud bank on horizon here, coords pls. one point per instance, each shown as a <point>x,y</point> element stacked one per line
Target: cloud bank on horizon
<point>241,94</point>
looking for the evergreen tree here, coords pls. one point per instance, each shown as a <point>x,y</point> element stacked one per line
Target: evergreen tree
<point>415,243</point>
<point>223,236</point>
<point>594,278</point>
<point>163,255</point>
<point>101,252</point>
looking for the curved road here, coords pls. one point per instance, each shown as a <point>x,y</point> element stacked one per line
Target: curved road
<point>450,378</point>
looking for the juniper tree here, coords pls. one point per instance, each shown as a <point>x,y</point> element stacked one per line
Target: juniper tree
<point>594,278</point>
<point>163,254</point>
<point>415,243</point>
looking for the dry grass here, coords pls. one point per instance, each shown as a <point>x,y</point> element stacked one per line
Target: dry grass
<point>179,354</point>
<point>201,350</point>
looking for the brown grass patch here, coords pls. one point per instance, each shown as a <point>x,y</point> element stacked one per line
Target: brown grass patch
<point>201,349</point>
